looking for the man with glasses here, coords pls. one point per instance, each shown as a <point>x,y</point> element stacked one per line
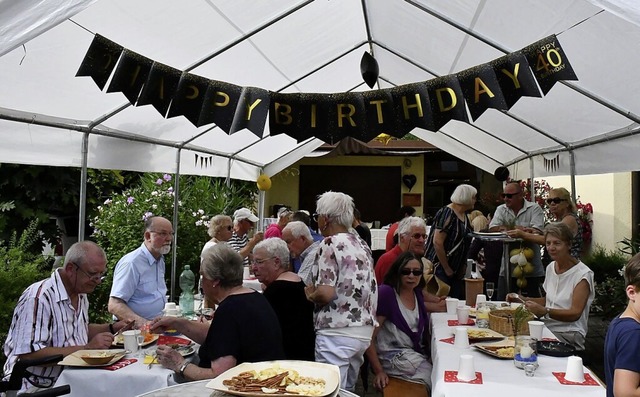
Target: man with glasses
<point>139,289</point>
<point>518,213</point>
<point>243,222</point>
<point>52,315</point>
<point>412,235</point>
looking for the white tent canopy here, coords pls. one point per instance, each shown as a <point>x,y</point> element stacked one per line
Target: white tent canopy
<point>48,116</point>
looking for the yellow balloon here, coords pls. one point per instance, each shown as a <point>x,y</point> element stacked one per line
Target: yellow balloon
<point>264,182</point>
<point>384,138</point>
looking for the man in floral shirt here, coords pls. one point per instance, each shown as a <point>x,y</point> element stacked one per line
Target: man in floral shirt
<point>344,289</point>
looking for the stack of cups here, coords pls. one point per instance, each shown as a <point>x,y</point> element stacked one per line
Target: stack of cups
<point>463,314</point>
<point>575,371</point>
<point>452,305</point>
<point>480,298</point>
<point>461,338</point>
<point>466,369</point>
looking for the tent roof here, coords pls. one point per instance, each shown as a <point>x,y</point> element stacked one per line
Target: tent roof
<point>315,46</point>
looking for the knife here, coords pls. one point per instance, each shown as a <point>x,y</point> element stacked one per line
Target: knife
<point>126,327</point>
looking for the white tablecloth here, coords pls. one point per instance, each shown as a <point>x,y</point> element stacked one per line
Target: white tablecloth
<point>129,381</point>
<point>500,377</point>
<point>252,283</point>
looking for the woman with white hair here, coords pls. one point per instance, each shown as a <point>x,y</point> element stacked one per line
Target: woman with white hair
<point>344,289</point>
<point>448,244</point>
<point>220,230</point>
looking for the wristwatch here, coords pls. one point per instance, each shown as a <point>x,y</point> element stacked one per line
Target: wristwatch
<point>184,366</point>
<point>547,313</point>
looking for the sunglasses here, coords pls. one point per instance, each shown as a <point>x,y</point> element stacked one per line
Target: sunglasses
<point>508,195</point>
<point>229,227</point>
<point>417,236</point>
<point>415,272</point>
<point>555,200</point>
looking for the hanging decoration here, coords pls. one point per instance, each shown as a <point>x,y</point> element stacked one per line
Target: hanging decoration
<point>264,182</point>
<point>409,181</point>
<point>375,114</point>
<point>369,69</point>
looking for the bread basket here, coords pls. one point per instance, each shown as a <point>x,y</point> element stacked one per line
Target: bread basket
<point>501,320</point>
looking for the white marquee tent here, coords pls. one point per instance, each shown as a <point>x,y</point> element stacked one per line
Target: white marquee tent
<point>48,116</point>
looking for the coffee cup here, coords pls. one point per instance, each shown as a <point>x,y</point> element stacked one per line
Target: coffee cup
<point>461,340</point>
<point>466,368</point>
<point>575,370</point>
<point>245,273</point>
<point>480,298</point>
<point>535,329</point>
<point>452,305</point>
<point>131,340</point>
<point>463,314</point>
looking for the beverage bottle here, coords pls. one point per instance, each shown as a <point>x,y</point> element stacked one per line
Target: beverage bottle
<point>187,282</point>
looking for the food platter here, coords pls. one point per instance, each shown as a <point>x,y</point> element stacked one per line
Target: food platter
<point>499,350</point>
<point>74,360</point>
<point>327,372</point>
<point>483,335</point>
<point>119,340</point>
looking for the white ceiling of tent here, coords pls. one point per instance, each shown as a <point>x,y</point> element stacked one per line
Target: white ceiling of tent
<point>314,46</point>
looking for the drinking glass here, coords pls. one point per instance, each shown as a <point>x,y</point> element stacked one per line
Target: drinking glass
<point>490,288</point>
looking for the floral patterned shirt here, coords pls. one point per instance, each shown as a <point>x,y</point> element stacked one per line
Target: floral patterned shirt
<point>344,262</point>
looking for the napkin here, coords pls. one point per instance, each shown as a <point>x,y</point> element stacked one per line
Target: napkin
<point>150,359</point>
<point>549,339</point>
<point>452,377</point>
<point>167,340</point>
<point>448,340</point>
<point>120,364</point>
<point>453,323</point>
<point>588,380</point>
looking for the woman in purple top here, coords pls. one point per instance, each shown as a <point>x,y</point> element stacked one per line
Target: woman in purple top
<point>622,343</point>
<point>398,347</point>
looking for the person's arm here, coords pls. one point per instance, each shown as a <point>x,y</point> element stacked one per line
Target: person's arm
<point>321,295</point>
<point>95,329</point>
<point>531,237</point>
<point>439,238</point>
<point>570,221</point>
<point>381,379</point>
<point>192,329</point>
<point>626,383</point>
<point>579,300</point>
<point>247,249</point>
<point>434,303</point>
<point>122,311</point>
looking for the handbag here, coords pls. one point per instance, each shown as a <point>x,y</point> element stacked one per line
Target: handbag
<point>435,285</point>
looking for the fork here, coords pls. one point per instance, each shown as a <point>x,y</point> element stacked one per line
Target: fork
<point>153,359</point>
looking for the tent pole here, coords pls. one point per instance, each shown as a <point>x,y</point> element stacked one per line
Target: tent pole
<point>83,187</point>
<point>261,210</point>
<point>572,167</point>
<point>533,185</point>
<point>176,195</point>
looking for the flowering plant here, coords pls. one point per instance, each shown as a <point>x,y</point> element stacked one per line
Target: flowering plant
<point>585,213</point>
<point>119,225</point>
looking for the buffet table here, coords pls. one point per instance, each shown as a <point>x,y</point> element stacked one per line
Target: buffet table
<point>499,376</point>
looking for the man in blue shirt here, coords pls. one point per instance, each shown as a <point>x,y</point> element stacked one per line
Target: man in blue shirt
<point>139,289</point>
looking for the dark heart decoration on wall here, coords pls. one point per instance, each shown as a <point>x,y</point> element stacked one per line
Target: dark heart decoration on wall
<point>409,180</point>
<point>501,173</point>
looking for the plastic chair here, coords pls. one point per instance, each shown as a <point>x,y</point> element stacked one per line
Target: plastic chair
<point>14,384</point>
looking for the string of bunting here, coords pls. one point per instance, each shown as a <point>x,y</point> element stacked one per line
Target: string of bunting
<point>430,104</point>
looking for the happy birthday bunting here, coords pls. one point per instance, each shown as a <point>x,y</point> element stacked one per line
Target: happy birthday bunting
<point>549,63</point>
<point>100,60</point>
<point>481,90</point>
<point>130,75</point>
<point>189,97</point>
<point>160,87</point>
<point>515,78</point>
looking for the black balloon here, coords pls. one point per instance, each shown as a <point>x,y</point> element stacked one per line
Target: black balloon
<point>409,180</point>
<point>501,173</point>
<point>369,69</point>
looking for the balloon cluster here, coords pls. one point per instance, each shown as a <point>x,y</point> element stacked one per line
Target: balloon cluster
<point>521,257</point>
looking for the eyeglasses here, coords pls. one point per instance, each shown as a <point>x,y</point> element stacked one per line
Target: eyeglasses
<point>261,261</point>
<point>91,276</point>
<point>508,195</point>
<point>229,227</point>
<point>555,200</point>
<point>415,272</point>
<point>417,236</point>
<point>162,234</point>
<point>315,216</point>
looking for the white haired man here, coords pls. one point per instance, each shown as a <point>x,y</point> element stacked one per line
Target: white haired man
<point>301,246</point>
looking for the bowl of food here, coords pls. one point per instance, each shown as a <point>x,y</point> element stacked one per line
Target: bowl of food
<point>101,358</point>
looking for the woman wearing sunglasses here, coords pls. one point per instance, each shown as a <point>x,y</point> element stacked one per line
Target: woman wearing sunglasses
<point>398,352</point>
<point>220,229</point>
<point>563,209</point>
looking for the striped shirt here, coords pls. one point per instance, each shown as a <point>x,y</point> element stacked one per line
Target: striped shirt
<point>44,317</point>
<point>237,243</point>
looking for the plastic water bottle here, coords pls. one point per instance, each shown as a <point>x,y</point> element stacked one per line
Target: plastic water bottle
<point>187,281</point>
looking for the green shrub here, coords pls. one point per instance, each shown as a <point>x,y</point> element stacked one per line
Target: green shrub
<point>118,227</point>
<point>610,298</point>
<point>605,263</point>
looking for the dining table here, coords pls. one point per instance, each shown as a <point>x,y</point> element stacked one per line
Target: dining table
<point>199,389</point>
<point>499,377</point>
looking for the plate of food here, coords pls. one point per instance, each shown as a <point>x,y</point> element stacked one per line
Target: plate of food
<point>555,348</point>
<point>93,358</point>
<point>279,379</point>
<point>499,350</point>
<point>148,339</point>
<point>483,335</point>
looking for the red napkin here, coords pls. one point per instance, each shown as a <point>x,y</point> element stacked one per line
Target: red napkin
<point>120,364</point>
<point>549,339</point>
<point>166,340</point>
<point>452,376</point>
<point>453,323</point>
<point>448,340</point>
<point>588,380</point>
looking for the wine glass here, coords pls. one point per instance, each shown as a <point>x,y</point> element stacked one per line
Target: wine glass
<point>490,289</point>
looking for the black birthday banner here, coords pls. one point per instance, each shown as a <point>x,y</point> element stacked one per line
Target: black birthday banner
<point>430,104</point>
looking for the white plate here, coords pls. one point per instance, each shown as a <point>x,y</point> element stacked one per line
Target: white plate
<point>483,335</point>
<point>490,348</point>
<point>119,340</point>
<point>495,234</point>
<point>74,360</point>
<point>330,374</point>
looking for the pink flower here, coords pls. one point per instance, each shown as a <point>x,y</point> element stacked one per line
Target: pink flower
<point>166,177</point>
<point>129,200</point>
<point>159,181</point>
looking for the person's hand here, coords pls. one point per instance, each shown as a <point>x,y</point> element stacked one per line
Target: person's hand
<point>537,309</point>
<point>257,237</point>
<point>381,380</point>
<point>169,358</point>
<point>309,291</point>
<point>160,324</point>
<point>513,297</point>
<point>515,233</point>
<point>103,340</point>
<point>448,271</point>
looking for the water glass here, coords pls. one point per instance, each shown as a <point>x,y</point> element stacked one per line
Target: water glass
<point>482,315</point>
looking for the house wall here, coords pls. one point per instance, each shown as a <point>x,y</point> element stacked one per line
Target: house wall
<point>610,195</point>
